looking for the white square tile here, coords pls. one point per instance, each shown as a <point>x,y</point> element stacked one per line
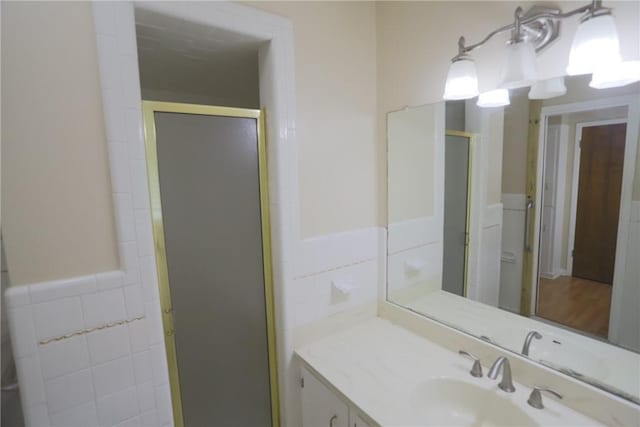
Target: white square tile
<point>23,331</point>
<point>139,184</point>
<point>149,418</point>
<point>58,317</point>
<point>131,422</point>
<point>138,334</point>
<point>104,16</point>
<point>37,415</point>
<point>118,407</point>
<point>80,416</point>
<point>16,296</point>
<point>144,233</point>
<point>108,344</point>
<point>142,367</point>
<point>133,301</point>
<point>108,60</point>
<point>109,280</point>
<point>64,357</point>
<point>103,307</point>
<point>163,404</point>
<point>118,161</point>
<point>129,261</point>
<point>126,28</point>
<point>155,329</point>
<point>30,380</point>
<point>49,291</point>
<point>148,277</point>
<point>146,397</point>
<point>113,376</point>
<point>70,390</point>
<point>116,134</point>
<point>135,133</point>
<point>130,81</point>
<point>159,364</point>
<point>125,224</point>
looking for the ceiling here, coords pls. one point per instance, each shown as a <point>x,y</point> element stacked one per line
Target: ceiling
<point>184,57</point>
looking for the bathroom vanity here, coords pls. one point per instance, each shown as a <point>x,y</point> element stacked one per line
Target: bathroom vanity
<point>377,372</point>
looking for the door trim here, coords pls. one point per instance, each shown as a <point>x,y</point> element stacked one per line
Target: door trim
<point>574,189</point>
<point>148,109</point>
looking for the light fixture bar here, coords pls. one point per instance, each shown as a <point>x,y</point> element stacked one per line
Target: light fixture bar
<point>544,19</point>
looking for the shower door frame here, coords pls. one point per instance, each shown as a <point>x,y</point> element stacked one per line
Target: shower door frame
<point>149,108</point>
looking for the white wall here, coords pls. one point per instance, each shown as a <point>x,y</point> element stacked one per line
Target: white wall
<point>305,274</point>
<point>56,194</point>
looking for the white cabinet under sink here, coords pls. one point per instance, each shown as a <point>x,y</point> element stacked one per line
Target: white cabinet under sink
<point>321,407</point>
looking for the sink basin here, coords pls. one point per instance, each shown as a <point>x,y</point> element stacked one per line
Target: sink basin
<point>451,402</point>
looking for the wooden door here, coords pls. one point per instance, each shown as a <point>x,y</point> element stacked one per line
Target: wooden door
<point>598,207</point>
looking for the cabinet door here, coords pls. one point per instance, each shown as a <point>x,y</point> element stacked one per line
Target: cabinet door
<point>320,407</point>
<point>356,420</point>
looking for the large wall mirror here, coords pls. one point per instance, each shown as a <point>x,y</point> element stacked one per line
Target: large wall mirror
<point>520,225</point>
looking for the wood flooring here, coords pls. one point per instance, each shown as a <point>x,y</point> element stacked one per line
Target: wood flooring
<point>577,303</point>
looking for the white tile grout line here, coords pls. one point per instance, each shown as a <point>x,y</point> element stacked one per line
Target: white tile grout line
<point>338,267</point>
<point>87,331</point>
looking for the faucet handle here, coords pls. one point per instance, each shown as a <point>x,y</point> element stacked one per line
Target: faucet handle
<point>535,398</point>
<point>476,369</point>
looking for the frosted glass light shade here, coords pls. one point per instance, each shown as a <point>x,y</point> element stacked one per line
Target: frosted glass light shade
<point>519,68</point>
<point>462,80</point>
<point>595,43</point>
<point>545,89</point>
<point>494,98</point>
<point>616,75</point>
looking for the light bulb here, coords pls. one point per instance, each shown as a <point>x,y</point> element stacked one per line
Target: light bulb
<point>546,89</point>
<point>519,68</point>
<point>616,75</point>
<point>462,79</point>
<point>595,43</point>
<point>494,98</point>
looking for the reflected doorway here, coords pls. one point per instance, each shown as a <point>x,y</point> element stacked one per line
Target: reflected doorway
<point>579,296</point>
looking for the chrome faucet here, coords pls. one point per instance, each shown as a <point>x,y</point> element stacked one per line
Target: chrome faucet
<point>535,398</point>
<point>527,341</point>
<point>507,383</point>
<point>476,369</point>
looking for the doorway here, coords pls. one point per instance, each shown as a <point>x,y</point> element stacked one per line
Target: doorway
<point>457,198</point>
<point>581,297</point>
<point>208,188</point>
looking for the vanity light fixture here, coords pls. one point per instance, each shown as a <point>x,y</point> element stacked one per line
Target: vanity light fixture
<point>494,98</point>
<point>462,79</point>
<point>550,88</point>
<point>595,43</point>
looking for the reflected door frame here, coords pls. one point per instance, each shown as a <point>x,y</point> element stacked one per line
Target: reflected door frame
<point>149,108</point>
<point>528,302</point>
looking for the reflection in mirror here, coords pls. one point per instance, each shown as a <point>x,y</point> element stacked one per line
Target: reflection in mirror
<point>521,225</point>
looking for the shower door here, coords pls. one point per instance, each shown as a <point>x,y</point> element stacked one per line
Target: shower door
<point>456,212</point>
<point>208,189</point>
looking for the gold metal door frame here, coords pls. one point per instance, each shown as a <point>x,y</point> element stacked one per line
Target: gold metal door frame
<point>529,266</point>
<point>472,142</point>
<point>149,108</point>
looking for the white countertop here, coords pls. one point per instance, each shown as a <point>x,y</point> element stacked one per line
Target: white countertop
<point>381,368</point>
<point>599,361</point>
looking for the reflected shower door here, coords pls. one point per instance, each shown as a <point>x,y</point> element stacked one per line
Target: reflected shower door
<point>215,303</point>
<point>456,197</point>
